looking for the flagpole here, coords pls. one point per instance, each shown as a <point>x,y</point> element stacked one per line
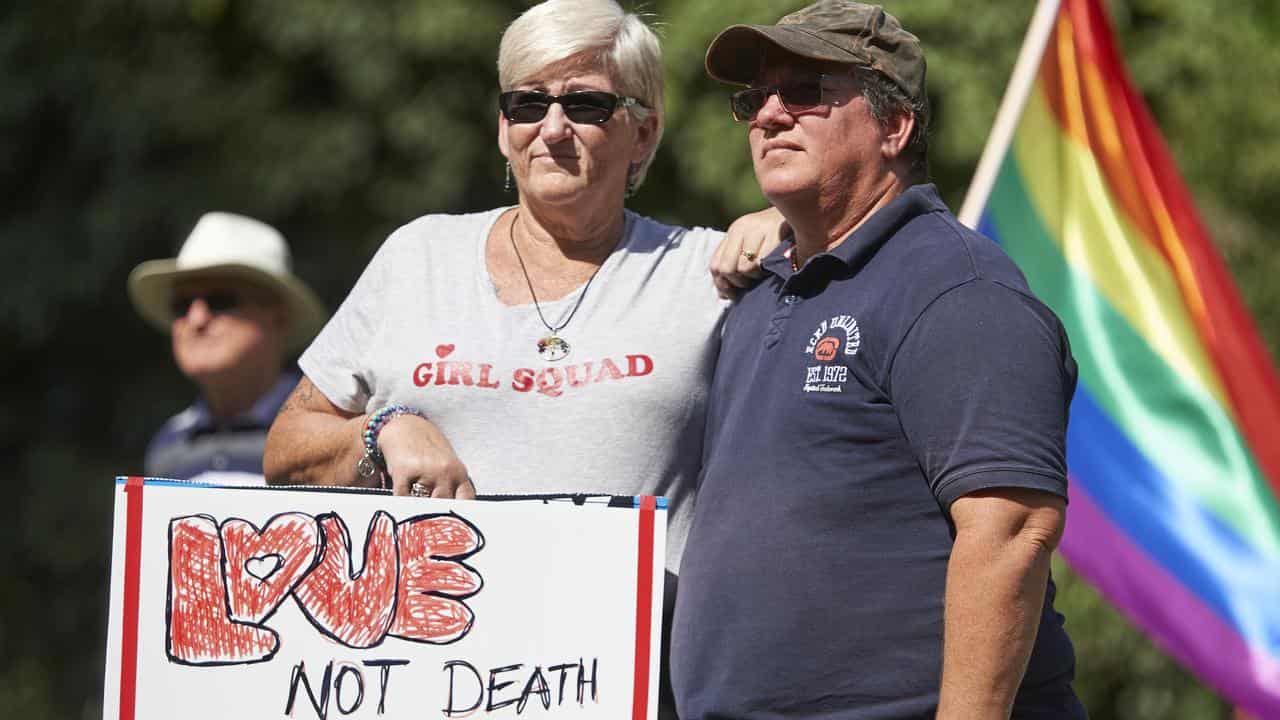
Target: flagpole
<point>1015,98</point>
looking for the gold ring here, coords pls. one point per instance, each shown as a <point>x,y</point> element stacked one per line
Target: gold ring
<point>750,256</point>
<point>419,490</point>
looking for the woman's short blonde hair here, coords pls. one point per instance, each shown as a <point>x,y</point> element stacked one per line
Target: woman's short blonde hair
<point>600,35</point>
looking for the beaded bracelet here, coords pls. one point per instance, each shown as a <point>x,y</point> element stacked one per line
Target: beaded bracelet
<point>373,461</point>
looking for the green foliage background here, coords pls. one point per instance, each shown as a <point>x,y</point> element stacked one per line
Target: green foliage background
<point>120,122</point>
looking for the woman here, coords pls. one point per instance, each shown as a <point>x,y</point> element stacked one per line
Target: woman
<point>561,345</point>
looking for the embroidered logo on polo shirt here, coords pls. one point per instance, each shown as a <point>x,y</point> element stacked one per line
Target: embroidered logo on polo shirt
<point>833,339</point>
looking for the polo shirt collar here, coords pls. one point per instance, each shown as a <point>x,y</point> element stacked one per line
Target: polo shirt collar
<point>260,415</point>
<point>868,237</point>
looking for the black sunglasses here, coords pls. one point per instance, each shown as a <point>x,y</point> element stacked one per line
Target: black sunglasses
<point>797,95</point>
<point>218,301</point>
<point>593,107</point>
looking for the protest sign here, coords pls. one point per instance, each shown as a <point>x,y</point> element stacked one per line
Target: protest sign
<point>289,603</point>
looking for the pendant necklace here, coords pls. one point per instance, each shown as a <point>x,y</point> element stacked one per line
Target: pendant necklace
<point>552,347</point>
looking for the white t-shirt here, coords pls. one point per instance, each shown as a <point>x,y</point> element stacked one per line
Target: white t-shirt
<point>622,414</point>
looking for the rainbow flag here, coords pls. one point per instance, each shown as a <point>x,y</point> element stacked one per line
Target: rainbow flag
<point>1174,440</point>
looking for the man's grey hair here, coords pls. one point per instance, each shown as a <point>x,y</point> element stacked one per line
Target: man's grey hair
<point>885,100</point>
<point>600,35</point>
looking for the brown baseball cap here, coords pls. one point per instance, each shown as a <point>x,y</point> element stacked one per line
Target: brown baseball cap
<point>834,30</point>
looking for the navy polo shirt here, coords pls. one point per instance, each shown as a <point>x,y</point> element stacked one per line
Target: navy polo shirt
<point>853,402</point>
<point>194,445</point>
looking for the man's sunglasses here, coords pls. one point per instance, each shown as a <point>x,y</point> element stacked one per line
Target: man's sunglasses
<point>797,95</point>
<point>218,301</point>
<point>589,107</point>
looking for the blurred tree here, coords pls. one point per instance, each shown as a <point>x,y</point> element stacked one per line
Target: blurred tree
<point>121,122</point>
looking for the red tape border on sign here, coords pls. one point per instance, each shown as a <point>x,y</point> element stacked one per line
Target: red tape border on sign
<point>644,608</point>
<point>132,567</point>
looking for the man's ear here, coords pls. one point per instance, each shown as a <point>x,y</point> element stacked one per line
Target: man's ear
<point>898,134</point>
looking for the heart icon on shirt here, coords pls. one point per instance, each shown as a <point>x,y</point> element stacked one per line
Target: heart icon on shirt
<point>443,351</point>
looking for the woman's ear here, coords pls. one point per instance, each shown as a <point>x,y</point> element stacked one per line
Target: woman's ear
<point>503,147</point>
<point>646,137</point>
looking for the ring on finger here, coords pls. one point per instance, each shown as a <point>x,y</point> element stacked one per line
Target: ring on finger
<point>417,489</point>
<point>749,255</point>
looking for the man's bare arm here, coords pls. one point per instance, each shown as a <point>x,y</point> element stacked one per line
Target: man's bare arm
<point>996,582</point>
<point>314,442</point>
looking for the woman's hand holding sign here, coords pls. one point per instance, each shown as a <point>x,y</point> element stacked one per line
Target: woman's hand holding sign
<point>420,461</point>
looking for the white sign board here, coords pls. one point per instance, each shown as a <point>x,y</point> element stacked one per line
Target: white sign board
<point>265,603</point>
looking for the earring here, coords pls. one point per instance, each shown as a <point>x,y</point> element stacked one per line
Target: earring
<point>633,180</point>
<point>507,185</point>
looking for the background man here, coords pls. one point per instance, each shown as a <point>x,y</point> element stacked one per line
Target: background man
<point>234,310</point>
<point>886,472</point>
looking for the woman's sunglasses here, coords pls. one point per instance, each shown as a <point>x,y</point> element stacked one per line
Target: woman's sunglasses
<point>218,301</point>
<point>590,107</point>
<point>797,95</point>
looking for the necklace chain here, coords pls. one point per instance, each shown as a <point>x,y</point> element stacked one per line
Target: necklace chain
<point>511,234</point>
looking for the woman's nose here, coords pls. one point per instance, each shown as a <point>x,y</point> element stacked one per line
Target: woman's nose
<point>555,126</point>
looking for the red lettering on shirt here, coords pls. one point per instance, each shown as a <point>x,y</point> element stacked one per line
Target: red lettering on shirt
<point>609,369</point>
<point>422,375</point>
<point>522,380</point>
<point>460,372</point>
<point>572,373</point>
<point>552,381</point>
<point>549,382</point>
<point>485,382</point>
<point>639,365</point>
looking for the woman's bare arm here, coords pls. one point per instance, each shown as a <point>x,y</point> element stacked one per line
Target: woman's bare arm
<point>314,442</point>
<point>736,264</point>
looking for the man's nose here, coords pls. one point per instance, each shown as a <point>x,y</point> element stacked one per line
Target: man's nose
<point>773,112</point>
<point>198,313</point>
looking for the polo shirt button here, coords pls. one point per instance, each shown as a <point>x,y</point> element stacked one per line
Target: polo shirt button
<point>790,299</point>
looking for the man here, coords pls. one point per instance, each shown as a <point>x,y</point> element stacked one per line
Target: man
<point>885,479</point>
<point>234,310</point>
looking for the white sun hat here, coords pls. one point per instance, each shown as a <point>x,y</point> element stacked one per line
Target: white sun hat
<point>231,247</point>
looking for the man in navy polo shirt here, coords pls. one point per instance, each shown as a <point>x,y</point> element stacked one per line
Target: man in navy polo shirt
<point>234,310</point>
<point>885,478</point>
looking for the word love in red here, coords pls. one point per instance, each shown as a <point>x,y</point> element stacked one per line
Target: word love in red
<point>227,579</point>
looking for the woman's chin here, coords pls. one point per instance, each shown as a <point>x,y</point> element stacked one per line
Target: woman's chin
<point>568,191</point>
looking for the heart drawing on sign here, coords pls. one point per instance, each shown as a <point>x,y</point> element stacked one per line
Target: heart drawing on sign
<point>264,566</point>
<point>443,351</point>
